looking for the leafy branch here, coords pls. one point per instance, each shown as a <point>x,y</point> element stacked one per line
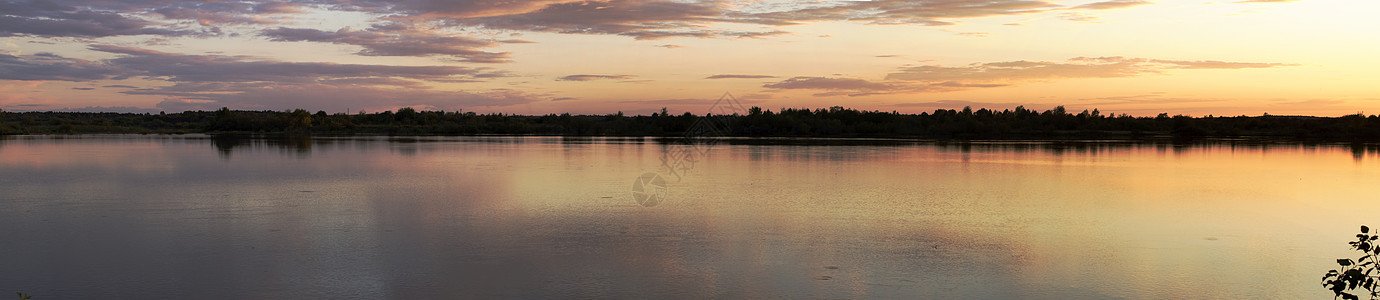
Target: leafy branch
<point>1359,273</point>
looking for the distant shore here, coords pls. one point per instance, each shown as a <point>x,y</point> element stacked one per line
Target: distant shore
<point>835,122</point>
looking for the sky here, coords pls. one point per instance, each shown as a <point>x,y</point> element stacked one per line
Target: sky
<point>532,57</point>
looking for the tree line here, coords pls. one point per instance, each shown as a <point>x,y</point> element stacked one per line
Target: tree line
<point>837,121</point>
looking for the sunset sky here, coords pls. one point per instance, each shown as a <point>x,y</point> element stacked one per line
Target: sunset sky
<point>1283,57</point>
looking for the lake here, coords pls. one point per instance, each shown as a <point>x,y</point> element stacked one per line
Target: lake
<point>195,217</point>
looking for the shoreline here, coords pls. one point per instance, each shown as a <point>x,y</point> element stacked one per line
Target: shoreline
<point>730,140</point>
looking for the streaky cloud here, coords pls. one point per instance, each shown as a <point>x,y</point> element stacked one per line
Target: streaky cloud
<point>1114,4</point>
<point>738,76</point>
<point>933,78</point>
<point>54,19</point>
<point>826,83</point>
<point>397,40</point>
<point>47,66</point>
<point>1079,67</point>
<point>217,68</point>
<point>278,97</point>
<point>591,77</point>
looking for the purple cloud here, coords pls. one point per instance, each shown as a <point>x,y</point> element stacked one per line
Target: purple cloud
<point>53,19</point>
<point>47,66</point>
<point>999,74</point>
<point>396,40</point>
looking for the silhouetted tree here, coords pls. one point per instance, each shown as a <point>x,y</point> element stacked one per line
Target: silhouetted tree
<point>836,121</point>
<point>299,119</point>
<point>406,115</point>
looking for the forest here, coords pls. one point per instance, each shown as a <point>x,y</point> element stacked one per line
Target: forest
<point>837,121</point>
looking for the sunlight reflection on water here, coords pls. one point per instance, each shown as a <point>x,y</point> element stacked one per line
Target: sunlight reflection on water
<point>486,217</point>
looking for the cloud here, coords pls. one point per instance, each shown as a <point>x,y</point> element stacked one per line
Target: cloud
<point>127,50</point>
<point>738,76</point>
<point>53,19</point>
<point>374,81</point>
<point>447,8</point>
<point>396,40</point>
<point>1114,4</point>
<point>999,74</point>
<point>957,103</point>
<point>120,86</point>
<point>563,99</point>
<point>137,62</point>
<point>101,109</point>
<point>751,34</point>
<point>1213,64</point>
<point>279,97</point>
<point>588,77</point>
<point>47,66</point>
<point>924,12</point>
<point>671,101</point>
<point>1081,67</point>
<point>670,46</point>
<point>229,12</point>
<point>1152,98</point>
<point>1267,1</point>
<point>640,19</point>
<point>846,86</point>
<point>825,83</point>
<point>207,82</point>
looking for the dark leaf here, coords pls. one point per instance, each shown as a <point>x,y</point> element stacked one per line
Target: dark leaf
<point>1354,274</point>
<point>1365,229</point>
<point>1344,261</point>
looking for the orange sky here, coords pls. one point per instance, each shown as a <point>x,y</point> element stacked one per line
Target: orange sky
<point>1305,57</point>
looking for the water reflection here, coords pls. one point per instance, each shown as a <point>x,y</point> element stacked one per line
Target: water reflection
<point>550,217</point>
<point>302,146</point>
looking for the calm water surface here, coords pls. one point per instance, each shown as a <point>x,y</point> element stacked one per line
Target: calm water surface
<point>190,217</point>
